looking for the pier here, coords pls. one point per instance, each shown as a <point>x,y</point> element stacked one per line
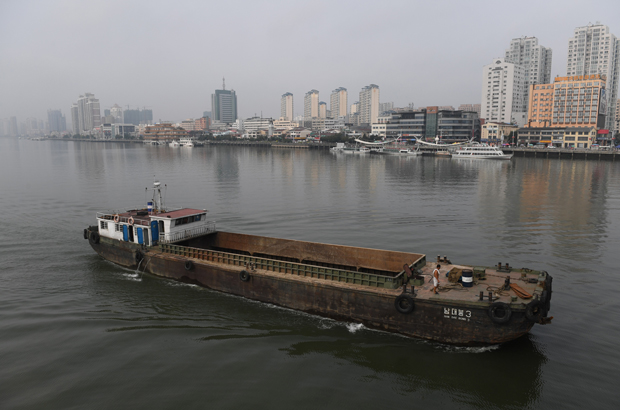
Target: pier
<point>564,153</point>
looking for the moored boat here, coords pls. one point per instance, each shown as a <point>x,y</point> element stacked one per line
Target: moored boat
<point>476,305</point>
<point>187,142</point>
<point>401,150</point>
<point>480,151</point>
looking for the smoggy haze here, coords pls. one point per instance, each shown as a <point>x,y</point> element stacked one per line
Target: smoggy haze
<point>170,56</point>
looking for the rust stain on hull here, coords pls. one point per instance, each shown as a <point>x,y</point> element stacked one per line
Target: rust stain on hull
<point>445,321</point>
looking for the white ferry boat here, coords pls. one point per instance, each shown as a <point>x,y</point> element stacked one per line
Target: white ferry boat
<point>401,150</point>
<point>187,142</point>
<point>480,151</point>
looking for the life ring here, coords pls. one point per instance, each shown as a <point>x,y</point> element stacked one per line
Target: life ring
<point>533,311</point>
<point>116,218</point>
<point>139,256</point>
<point>500,312</point>
<point>244,275</point>
<point>93,238</point>
<point>130,220</point>
<point>189,265</point>
<point>404,304</point>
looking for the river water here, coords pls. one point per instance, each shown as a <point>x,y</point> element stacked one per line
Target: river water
<point>77,332</point>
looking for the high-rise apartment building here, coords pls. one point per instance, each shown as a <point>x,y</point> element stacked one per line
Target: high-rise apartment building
<point>224,105</point>
<point>286,107</point>
<point>75,122</point>
<point>338,102</point>
<point>534,59</point>
<point>385,107</point>
<point>617,126</point>
<point>369,104</point>
<point>311,104</point>
<point>56,121</point>
<point>88,113</point>
<point>136,117</point>
<point>502,92</point>
<point>470,107</point>
<point>355,107</point>
<point>594,50</point>
<point>322,109</point>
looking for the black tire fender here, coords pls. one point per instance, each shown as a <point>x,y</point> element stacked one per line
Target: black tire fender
<point>404,304</point>
<point>85,233</point>
<point>139,256</point>
<point>93,238</point>
<point>244,275</point>
<point>533,311</point>
<point>544,298</point>
<point>500,312</point>
<point>189,265</point>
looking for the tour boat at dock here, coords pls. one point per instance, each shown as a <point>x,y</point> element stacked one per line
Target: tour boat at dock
<point>401,150</point>
<point>187,142</point>
<point>480,151</point>
<point>385,290</point>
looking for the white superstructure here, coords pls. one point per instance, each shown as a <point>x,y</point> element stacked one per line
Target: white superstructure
<point>154,224</point>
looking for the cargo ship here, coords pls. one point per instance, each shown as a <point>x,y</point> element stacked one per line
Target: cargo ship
<point>384,290</point>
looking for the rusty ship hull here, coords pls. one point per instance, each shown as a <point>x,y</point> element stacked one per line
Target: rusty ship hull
<point>351,284</point>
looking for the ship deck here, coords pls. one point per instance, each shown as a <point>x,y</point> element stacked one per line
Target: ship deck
<point>493,280</point>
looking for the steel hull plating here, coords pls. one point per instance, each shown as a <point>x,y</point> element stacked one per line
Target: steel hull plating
<point>437,320</point>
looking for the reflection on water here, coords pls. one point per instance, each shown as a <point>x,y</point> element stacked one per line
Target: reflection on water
<point>79,331</point>
<point>470,376</point>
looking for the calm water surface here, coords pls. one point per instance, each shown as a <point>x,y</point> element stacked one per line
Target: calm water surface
<point>77,332</point>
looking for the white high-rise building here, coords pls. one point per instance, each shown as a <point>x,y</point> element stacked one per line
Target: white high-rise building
<point>75,121</point>
<point>369,104</point>
<point>89,113</point>
<point>534,59</point>
<point>594,50</point>
<point>502,93</point>
<point>311,104</point>
<point>338,102</point>
<point>286,107</point>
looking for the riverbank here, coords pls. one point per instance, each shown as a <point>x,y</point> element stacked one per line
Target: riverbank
<point>557,153</point>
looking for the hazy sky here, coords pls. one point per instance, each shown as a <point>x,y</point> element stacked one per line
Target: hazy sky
<point>170,55</point>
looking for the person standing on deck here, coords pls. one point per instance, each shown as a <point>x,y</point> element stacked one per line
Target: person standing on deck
<point>436,279</point>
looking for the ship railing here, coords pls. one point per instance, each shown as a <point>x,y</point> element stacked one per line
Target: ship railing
<point>109,216</point>
<point>166,238</point>
<point>286,267</point>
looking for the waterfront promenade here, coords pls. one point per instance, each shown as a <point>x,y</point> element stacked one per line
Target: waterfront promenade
<point>555,153</point>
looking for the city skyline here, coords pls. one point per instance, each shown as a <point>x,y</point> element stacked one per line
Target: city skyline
<point>424,75</point>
